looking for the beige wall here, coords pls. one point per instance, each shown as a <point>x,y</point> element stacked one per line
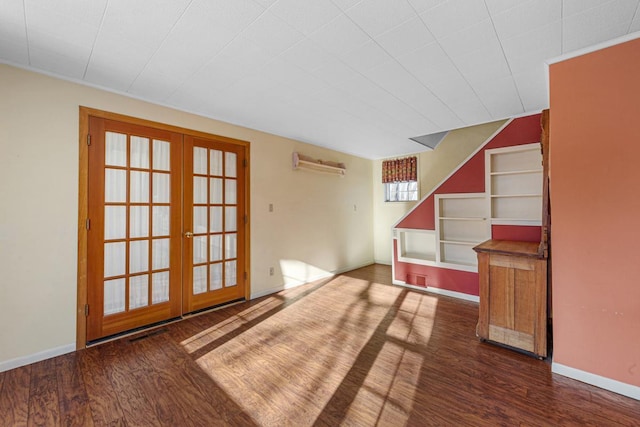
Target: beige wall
<point>433,167</point>
<point>313,229</point>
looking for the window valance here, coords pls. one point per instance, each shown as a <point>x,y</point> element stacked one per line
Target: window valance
<point>400,170</point>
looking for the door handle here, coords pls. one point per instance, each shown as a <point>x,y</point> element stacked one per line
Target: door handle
<point>188,234</point>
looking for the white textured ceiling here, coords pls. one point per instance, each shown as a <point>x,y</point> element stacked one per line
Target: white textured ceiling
<point>360,77</point>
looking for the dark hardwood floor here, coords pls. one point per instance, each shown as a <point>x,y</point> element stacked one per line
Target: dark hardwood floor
<point>352,350</point>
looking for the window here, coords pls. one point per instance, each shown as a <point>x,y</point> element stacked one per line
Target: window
<point>400,179</point>
<point>401,191</point>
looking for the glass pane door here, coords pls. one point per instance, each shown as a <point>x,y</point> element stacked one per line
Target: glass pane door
<point>214,224</point>
<point>134,210</point>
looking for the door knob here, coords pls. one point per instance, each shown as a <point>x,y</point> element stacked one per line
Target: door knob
<point>188,234</point>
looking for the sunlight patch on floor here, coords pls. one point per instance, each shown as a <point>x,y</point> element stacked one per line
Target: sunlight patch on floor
<point>229,325</point>
<point>287,368</point>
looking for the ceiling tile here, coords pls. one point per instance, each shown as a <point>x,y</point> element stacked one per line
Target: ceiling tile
<point>378,16</point>
<point>395,79</point>
<point>498,6</point>
<point>272,34</point>
<point>635,25</point>
<point>453,90</point>
<point>429,64</point>
<point>235,14</point>
<point>532,86</point>
<point>483,64</point>
<point>598,24</point>
<point>13,33</point>
<point>366,56</point>
<point>335,72</point>
<point>500,97</point>
<point>306,54</point>
<point>250,86</point>
<point>58,63</point>
<point>405,38</point>
<point>346,4</point>
<point>424,5</point>
<point>437,115</point>
<point>368,92</point>
<point>12,19</point>
<point>471,111</point>
<point>573,7</point>
<point>340,36</point>
<point>470,39</point>
<point>47,51</point>
<point>452,16</point>
<point>116,62</point>
<point>14,51</point>
<point>306,17</point>
<point>55,34</point>
<point>533,48</point>
<point>265,3</point>
<point>86,12</point>
<point>153,85</point>
<point>192,42</point>
<point>146,21</point>
<point>525,17</point>
<point>243,55</point>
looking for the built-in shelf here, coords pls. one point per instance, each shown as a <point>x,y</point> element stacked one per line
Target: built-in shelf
<point>458,242</point>
<point>453,218</point>
<point>416,246</point>
<point>461,224</point>
<point>514,185</point>
<point>516,195</point>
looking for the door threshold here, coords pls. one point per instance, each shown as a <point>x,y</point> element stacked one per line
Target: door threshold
<point>149,329</point>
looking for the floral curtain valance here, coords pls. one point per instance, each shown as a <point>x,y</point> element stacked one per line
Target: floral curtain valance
<point>399,170</point>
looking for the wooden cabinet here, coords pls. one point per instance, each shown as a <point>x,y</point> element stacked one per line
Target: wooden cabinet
<point>513,295</point>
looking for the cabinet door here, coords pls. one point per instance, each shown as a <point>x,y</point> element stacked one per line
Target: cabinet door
<point>512,302</point>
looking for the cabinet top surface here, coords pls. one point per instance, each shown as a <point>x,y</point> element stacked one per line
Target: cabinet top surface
<point>510,247</point>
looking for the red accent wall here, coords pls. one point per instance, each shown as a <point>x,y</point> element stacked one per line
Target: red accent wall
<point>595,205</point>
<point>436,277</point>
<point>469,178</point>
<point>530,233</point>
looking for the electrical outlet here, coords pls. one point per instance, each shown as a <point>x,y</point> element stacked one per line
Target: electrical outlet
<point>355,208</point>
<point>270,207</point>
<point>271,271</point>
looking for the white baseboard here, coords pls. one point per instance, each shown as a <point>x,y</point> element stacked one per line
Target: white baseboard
<point>36,357</point>
<point>382,262</point>
<point>597,380</point>
<point>439,291</point>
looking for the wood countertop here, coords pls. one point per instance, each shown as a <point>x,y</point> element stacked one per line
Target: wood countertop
<point>510,247</point>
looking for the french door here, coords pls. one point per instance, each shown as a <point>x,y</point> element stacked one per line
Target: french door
<point>214,222</point>
<point>166,225</point>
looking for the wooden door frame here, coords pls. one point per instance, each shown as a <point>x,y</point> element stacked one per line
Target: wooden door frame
<point>83,202</point>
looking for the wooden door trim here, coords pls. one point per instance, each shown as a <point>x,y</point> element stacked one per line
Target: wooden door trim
<point>83,202</point>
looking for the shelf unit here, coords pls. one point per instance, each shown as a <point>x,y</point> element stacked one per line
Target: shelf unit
<point>514,185</point>
<point>461,224</point>
<point>416,246</point>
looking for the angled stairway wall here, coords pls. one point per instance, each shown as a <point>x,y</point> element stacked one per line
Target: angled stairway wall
<point>469,177</point>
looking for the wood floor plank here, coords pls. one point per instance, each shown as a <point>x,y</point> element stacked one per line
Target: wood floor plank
<point>103,399</point>
<point>72,394</point>
<point>44,407</point>
<point>120,366</point>
<point>14,399</point>
<point>350,350</point>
